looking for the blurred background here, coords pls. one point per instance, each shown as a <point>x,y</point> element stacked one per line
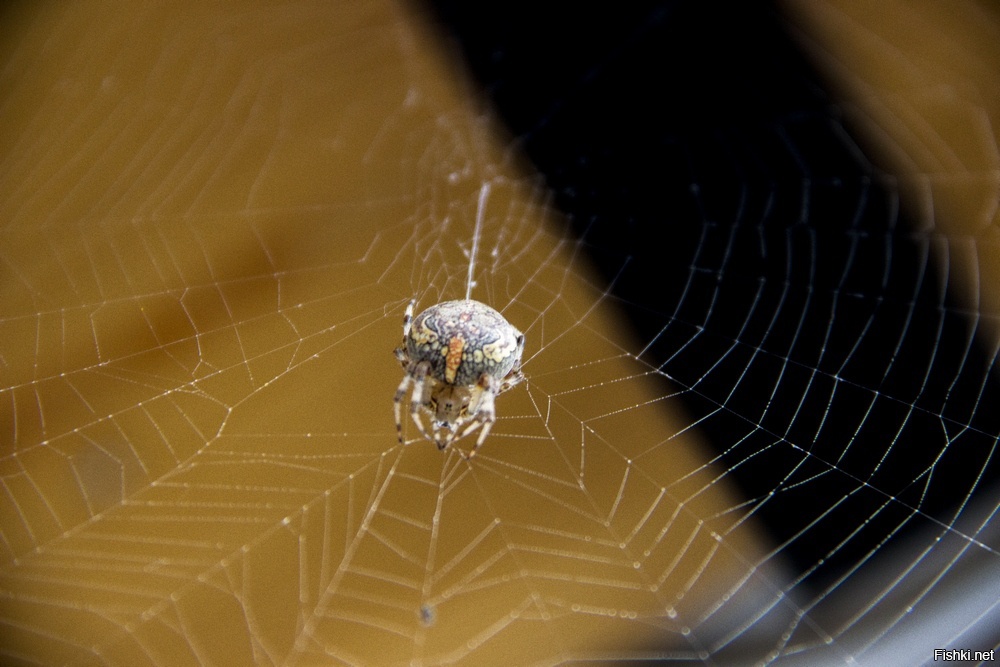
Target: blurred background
<point>754,251</point>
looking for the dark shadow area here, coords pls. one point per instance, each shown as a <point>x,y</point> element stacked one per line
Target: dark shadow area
<point>760,254</point>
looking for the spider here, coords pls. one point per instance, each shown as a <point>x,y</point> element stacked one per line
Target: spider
<point>459,356</point>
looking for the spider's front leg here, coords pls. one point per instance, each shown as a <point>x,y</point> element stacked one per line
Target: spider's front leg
<point>401,354</point>
<point>398,401</point>
<point>486,412</point>
<point>404,359</point>
<point>415,375</point>
<point>408,319</point>
<point>417,397</point>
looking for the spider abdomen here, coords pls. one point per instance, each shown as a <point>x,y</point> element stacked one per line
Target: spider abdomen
<point>458,356</point>
<point>463,339</point>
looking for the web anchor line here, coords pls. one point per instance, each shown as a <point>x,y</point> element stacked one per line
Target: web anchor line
<point>484,194</point>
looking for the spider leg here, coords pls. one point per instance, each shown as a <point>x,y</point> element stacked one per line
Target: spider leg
<point>401,354</point>
<point>408,319</point>
<point>458,435</point>
<point>479,441</point>
<point>398,401</point>
<point>515,376</point>
<point>417,397</point>
<point>485,412</point>
<point>444,437</point>
<point>404,359</point>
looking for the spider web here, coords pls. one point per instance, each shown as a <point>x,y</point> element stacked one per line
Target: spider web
<point>213,221</point>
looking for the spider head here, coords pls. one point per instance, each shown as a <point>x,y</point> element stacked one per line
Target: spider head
<point>450,405</point>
